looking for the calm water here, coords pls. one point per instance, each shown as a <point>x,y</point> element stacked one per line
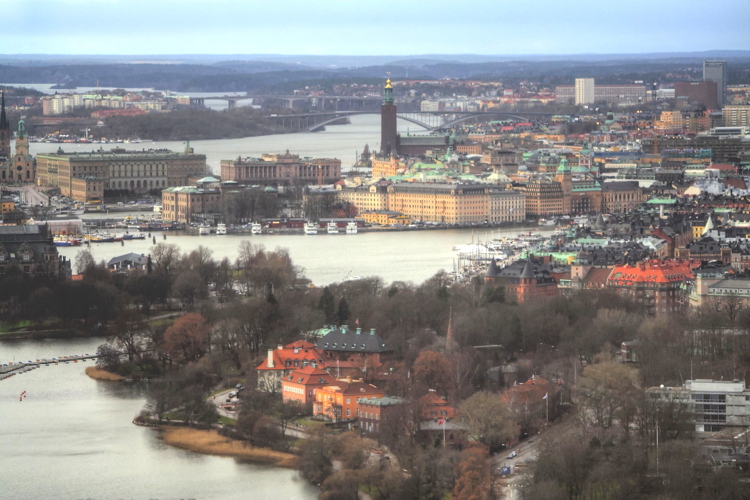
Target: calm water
<point>393,255</point>
<point>72,437</point>
<point>337,141</point>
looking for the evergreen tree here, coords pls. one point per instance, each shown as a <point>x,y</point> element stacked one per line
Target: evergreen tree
<point>327,305</point>
<point>343,312</point>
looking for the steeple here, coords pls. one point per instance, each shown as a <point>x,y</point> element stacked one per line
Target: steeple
<point>3,118</point>
<point>388,93</point>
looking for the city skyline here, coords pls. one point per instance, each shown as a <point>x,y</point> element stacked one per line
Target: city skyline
<point>372,28</point>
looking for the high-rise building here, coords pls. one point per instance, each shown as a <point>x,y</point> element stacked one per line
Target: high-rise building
<point>686,93</point>
<point>585,91</point>
<point>716,71</point>
<point>388,127</point>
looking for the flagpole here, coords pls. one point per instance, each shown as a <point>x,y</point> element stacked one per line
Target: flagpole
<point>443,433</point>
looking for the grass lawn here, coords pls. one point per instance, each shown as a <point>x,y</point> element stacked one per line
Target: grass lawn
<point>227,421</point>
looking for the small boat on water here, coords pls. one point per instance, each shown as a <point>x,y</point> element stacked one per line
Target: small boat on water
<point>66,241</point>
<point>332,228</point>
<point>204,230</point>
<point>311,228</point>
<point>351,228</point>
<point>256,228</point>
<point>221,229</point>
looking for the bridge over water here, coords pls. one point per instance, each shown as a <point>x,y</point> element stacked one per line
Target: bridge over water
<point>17,367</point>
<point>430,120</point>
<point>323,103</point>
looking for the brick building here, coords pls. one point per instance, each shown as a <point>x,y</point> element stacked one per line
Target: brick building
<point>300,385</point>
<point>339,401</point>
<point>659,285</point>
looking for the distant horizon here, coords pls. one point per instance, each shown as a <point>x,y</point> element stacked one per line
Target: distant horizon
<point>367,27</point>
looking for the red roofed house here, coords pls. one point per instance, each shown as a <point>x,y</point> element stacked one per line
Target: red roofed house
<point>657,284</point>
<point>282,361</point>
<point>300,385</point>
<point>434,407</point>
<point>340,400</point>
<point>531,401</point>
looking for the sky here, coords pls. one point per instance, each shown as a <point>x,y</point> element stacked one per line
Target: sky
<point>365,27</point>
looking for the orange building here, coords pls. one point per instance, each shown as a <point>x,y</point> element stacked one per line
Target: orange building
<point>300,385</point>
<point>372,411</point>
<point>434,407</point>
<point>340,400</point>
<point>283,360</point>
<point>657,284</point>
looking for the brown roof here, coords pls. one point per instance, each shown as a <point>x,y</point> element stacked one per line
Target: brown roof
<point>597,277</point>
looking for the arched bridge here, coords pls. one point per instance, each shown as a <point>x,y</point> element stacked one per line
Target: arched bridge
<point>430,120</point>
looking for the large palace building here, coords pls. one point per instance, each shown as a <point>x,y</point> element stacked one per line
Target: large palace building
<point>85,176</point>
<point>281,170</point>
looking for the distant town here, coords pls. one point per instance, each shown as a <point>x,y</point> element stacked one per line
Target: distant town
<point>597,349</point>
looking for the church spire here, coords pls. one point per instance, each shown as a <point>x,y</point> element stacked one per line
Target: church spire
<point>3,118</point>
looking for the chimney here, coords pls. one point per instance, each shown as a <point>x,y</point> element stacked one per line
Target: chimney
<point>270,359</point>
<point>343,329</point>
<point>372,331</point>
<point>359,330</point>
<point>281,347</point>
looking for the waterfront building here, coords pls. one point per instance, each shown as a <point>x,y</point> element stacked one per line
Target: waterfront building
<point>532,283</point>
<point>441,202</point>
<point>30,250</point>
<point>365,198</point>
<point>388,123</point>
<point>339,401</point>
<point>300,385</point>
<point>716,71</point>
<point>85,176</point>
<point>543,198</point>
<point>283,169</point>
<point>283,360</point>
<point>186,203</point>
<point>128,262</point>
<point>385,218</point>
<point>506,205</point>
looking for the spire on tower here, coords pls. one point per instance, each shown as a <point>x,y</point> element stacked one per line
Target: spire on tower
<point>3,118</point>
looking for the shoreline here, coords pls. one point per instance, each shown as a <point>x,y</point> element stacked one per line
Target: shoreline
<point>100,374</point>
<point>210,442</point>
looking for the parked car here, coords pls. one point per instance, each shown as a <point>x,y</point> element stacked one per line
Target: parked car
<point>512,455</point>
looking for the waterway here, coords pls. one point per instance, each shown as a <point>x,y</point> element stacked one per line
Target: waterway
<point>393,255</point>
<point>72,437</point>
<point>343,142</point>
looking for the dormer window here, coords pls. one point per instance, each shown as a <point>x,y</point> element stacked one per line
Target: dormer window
<point>288,362</point>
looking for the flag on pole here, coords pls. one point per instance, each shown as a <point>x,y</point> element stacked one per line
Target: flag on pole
<point>545,396</point>
<point>356,321</point>
<point>441,421</point>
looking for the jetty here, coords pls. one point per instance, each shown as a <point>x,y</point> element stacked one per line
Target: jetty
<point>10,369</point>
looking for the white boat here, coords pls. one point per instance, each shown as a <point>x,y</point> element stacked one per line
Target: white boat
<point>256,228</point>
<point>545,222</point>
<point>204,230</point>
<point>332,228</point>
<point>311,228</point>
<point>351,228</point>
<point>221,229</point>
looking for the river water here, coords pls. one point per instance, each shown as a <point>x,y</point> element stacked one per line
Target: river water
<point>72,436</point>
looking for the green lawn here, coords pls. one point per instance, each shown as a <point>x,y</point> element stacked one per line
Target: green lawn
<point>227,421</point>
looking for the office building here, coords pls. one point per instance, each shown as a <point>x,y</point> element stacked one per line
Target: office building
<point>703,93</point>
<point>716,71</point>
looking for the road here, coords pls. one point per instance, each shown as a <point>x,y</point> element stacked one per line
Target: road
<point>29,195</point>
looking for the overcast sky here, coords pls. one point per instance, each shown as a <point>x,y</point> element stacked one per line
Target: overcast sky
<point>365,27</point>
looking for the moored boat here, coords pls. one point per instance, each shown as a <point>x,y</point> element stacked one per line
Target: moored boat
<point>351,228</point>
<point>311,228</point>
<point>332,228</point>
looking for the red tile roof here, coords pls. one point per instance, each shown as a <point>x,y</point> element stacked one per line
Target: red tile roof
<point>654,271</point>
<point>295,355</point>
<point>309,375</point>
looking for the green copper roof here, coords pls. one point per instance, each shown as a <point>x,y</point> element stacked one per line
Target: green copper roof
<point>563,168</point>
